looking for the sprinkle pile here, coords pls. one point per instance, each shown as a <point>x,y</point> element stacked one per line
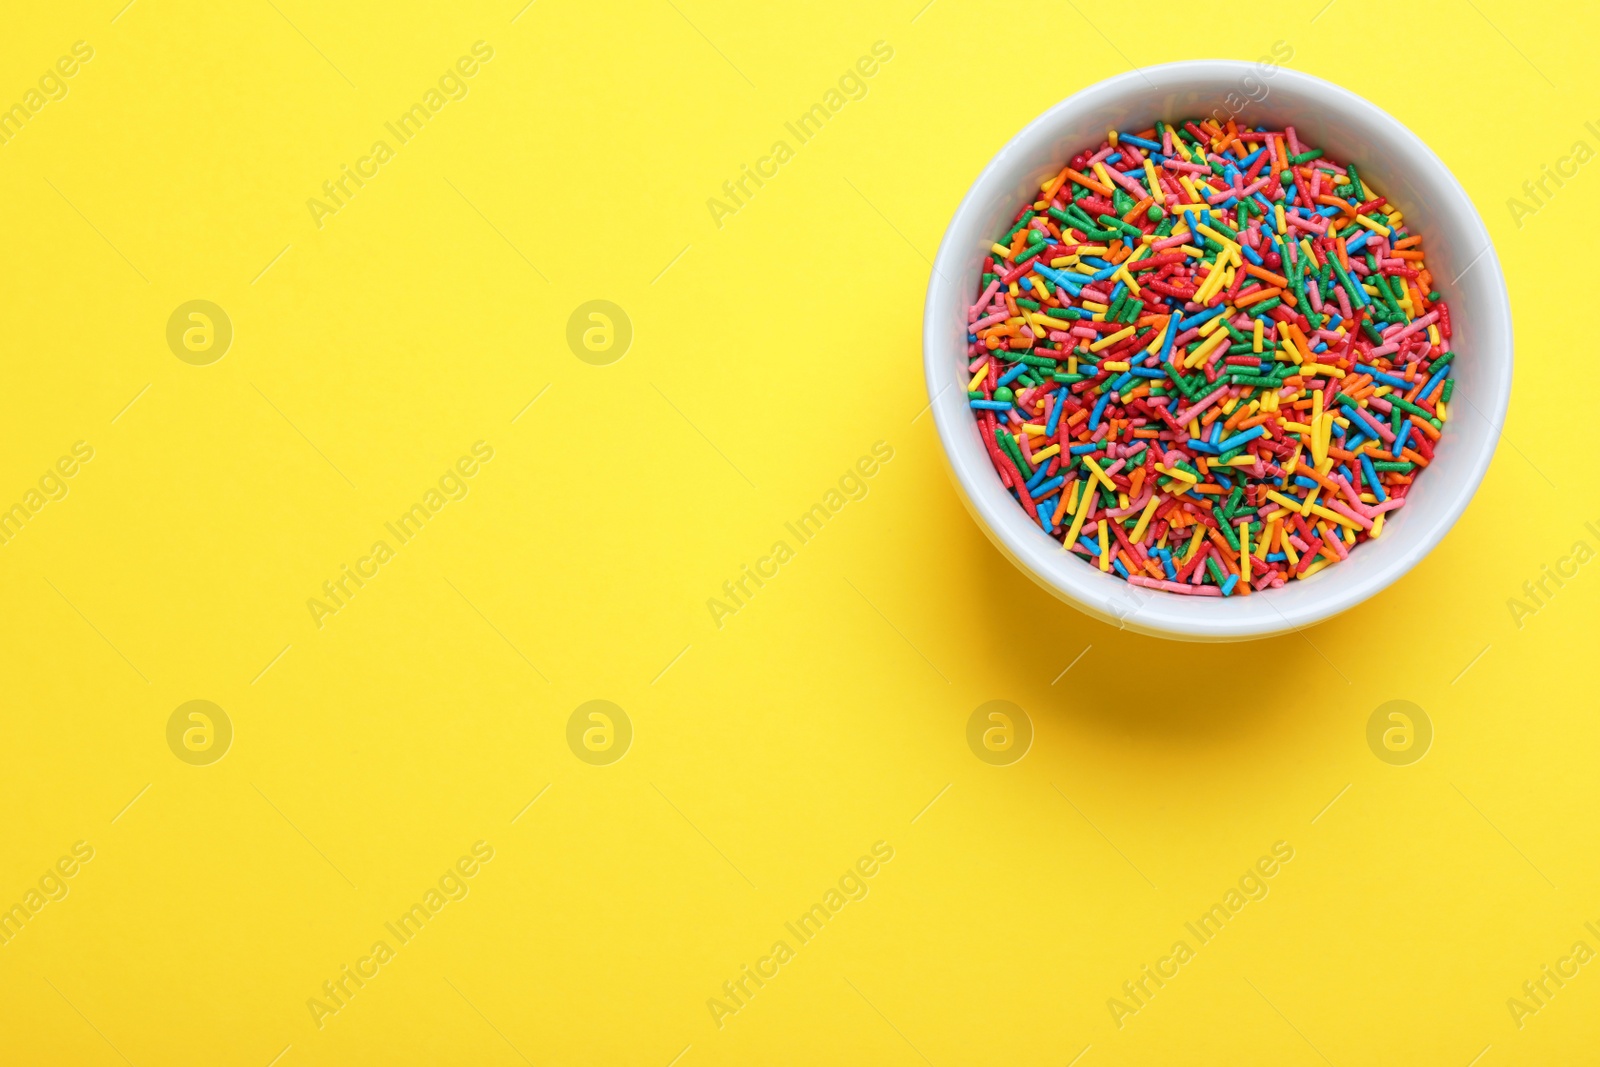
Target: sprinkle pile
<point>1209,359</point>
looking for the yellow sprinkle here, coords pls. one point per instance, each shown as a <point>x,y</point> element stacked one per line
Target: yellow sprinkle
<point>1045,453</point>
<point>1315,567</point>
<point>1105,556</point>
<point>1150,172</point>
<point>1311,496</point>
<point>1199,532</point>
<point>1267,538</point>
<point>1000,250</point>
<point>1255,340</point>
<point>1322,368</point>
<point>1144,517</point>
<point>1210,344</point>
<point>1288,502</point>
<point>1033,429</point>
<point>1377,526</point>
<point>977,379</point>
<point>1085,499</point>
<point>1114,364</point>
<point>1161,335</point>
<point>1216,235</point>
<point>1244,550</point>
<point>1334,516</point>
<point>1111,339</point>
<point>1177,472</point>
<point>1099,474</point>
<point>1373,225</point>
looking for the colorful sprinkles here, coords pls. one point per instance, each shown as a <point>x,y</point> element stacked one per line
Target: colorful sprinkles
<point>1209,359</point>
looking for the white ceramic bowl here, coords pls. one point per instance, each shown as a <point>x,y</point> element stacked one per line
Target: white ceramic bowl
<point>1398,165</point>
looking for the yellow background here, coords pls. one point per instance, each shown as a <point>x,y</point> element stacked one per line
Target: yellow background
<point>768,355</point>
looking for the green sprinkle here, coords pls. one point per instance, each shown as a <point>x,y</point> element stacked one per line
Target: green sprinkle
<point>1027,217</point>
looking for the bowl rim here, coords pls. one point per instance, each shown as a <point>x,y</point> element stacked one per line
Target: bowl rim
<point>1108,597</point>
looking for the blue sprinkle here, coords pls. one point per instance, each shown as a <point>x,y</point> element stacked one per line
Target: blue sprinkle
<point>1384,377</point>
<point>1402,437</point>
<point>1099,408</point>
<point>1200,317</point>
<point>1139,142</point>
<point>1048,487</point>
<point>1372,478</point>
<point>1240,439</point>
<point>1055,414</point>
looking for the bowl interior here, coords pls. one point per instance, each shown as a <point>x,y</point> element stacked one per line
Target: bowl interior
<point>1396,164</point>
